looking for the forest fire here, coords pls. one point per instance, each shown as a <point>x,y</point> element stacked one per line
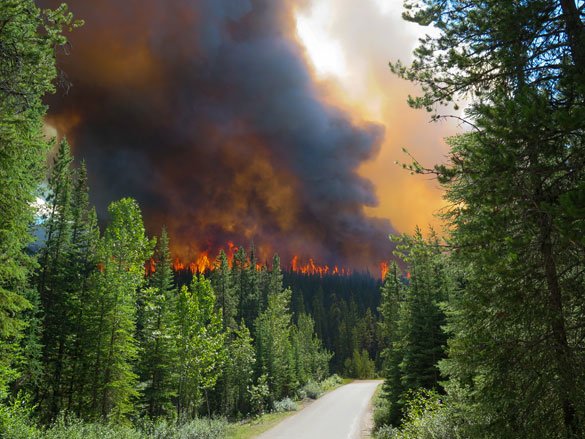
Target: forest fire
<point>227,157</point>
<point>312,268</point>
<point>384,269</point>
<point>204,263</point>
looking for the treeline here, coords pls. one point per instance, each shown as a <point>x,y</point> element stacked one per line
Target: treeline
<point>343,307</point>
<point>83,329</point>
<point>105,341</point>
<point>500,352</point>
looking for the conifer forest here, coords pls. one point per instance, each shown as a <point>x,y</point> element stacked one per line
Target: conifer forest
<point>235,273</point>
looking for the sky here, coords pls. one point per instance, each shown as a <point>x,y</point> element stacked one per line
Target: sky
<point>276,122</point>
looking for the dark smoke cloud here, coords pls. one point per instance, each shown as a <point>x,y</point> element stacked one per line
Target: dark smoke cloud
<point>206,112</point>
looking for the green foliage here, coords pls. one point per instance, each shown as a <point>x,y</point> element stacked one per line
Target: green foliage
<point>121,251</point>
<point>427,417</point>
<point>192,429</point>
<point>222,282</point>
<point>200,343</point>
<point>360,366</point>
<point>311,361</point>
<point>331,382</point>
<point>259,395</point>
<point>28,38</point>
<point>412,322</point>
<point>312,390</point>
<point>285,405</point>
<point>513,187</point>
<point>17,421</point>
<point>238,371</point>
<point>155,335</point>
<point>273,346</point>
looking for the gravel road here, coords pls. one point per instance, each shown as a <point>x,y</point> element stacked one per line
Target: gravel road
<point>340,414</point>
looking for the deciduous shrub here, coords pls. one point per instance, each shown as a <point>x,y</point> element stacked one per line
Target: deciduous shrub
<point>285,405</point>
<point>312,389</point>
<point>331,382</point>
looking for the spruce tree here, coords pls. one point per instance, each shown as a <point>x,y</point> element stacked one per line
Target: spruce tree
<point>222,282</point>
<point>251,302</point>
<point>390,309</point>
<point>273,346</point>
<point>238,371</point>
<point>423,339</point>
<point>157,349</point>
<point>53,286</point>
<point>239,273</point>
<point>122,252</point>
<point>81,267</point>
<point>28,39</point>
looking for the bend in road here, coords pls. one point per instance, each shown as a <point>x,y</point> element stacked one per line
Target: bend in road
<point>336,415</point>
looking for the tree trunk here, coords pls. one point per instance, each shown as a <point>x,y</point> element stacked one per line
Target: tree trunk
<point>565,360</point>
<point>575,32</point>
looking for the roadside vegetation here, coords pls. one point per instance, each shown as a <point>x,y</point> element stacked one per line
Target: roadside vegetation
<point>484,325</point>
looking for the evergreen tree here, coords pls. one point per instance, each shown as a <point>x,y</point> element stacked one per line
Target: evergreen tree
<point>390,308</point>
<point>53,286</point>
<point>273,347</point>
<point>157,347</point>
<point>311,361</point>
<point>28,39</point>
<point>516,208</point>
<point>81,268</point>
<point>274,279</point>
<point>122,252</point>
<point>239,273</point>
<point>238,371</point>
<point>423,339</point>
<point>222,282</point>
<point>251,301</point>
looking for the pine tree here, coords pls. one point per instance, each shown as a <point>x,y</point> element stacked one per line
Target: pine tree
<point>274,279</point>
<point>251,302</point>
<point>516,203</point>
<point>239,273</point>
<point>423,339</point>
<point>157,347</point>
<point>273,344</point>
<point>392,293</point>
<point>81,268</point>
<point>311,361</point>
<point>53,286</point>
<point>122,252</point>
<point>222,282</point>
<point>238,371</point>
<point>28,39</point>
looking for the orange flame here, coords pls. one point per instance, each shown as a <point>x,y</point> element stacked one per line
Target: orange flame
<point>384,268</point>
<point>206,263</point>
<point>315,269</point>
<point>150,267</point>
<point>178,265</point>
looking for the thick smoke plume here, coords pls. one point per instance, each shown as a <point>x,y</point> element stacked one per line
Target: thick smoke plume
<point>206,112</point>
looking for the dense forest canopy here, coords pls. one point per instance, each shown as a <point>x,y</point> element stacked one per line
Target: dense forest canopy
<point>478,329</point>
<point>514,247</point>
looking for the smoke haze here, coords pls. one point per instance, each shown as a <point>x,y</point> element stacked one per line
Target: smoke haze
<point>207,112</point>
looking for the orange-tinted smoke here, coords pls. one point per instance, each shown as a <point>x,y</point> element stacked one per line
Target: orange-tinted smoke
<point>206,111</point>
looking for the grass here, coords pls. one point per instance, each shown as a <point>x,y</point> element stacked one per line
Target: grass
<point>251,429</point>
